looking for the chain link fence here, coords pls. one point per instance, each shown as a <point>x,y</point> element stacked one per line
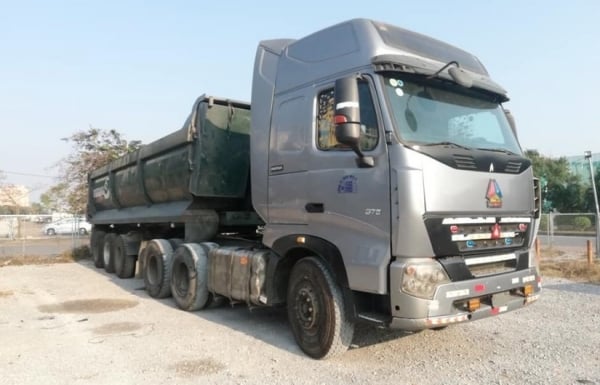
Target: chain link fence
<point>568,232</point>
<point>41,235</point>
<point>47,235</point>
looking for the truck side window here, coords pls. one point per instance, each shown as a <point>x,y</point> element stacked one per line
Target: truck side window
<point>326,127</point>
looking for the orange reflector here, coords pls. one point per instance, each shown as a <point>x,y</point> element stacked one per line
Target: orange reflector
<point>528,290</point>
<point>474,304</point>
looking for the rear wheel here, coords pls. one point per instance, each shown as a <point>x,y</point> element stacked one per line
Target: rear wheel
<point>82,231</point>
<point>189,280</point>
<point>108,253</point>
<point>316,310</point>
<point>158,258</point>
<point>50,232</point>
<point>97,246</point>
<point>124,264</point>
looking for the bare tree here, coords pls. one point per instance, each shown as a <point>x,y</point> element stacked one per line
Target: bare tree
<point>92,148</point>
<point>11,197</point>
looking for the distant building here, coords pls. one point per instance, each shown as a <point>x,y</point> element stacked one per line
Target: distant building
<point>581,166</point>
<point>14,195</point>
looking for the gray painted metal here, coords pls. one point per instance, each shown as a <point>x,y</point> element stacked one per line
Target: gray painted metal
<point>383,218</point>
<point>411,313</point>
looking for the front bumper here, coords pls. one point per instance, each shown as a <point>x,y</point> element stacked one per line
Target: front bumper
<point>496,294</point>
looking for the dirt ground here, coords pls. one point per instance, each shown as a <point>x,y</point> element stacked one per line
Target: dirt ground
<point>71,323</point>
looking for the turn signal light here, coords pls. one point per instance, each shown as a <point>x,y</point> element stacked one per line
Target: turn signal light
<point>474,304</point>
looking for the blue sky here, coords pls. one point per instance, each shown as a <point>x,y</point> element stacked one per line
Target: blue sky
<point>137,66</point>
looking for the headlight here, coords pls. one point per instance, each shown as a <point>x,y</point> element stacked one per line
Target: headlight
<point>422,279</point>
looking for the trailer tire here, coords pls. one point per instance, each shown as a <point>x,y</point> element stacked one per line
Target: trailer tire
<point>189,282</point>
<point>124,263</point>
<point>316,310</point>
<point>175,242</point>
<point>108,252</point>
<point>157,268</point>
<point>97,246</point>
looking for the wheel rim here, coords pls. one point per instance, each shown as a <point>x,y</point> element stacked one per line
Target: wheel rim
<point>307,306</point>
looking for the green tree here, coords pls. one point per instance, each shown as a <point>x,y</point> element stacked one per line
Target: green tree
<point>92,148</point>
<point>564,190</point>
<point>54,199</point>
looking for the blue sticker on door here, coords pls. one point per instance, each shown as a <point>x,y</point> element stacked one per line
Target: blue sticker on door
<point>348,184</point>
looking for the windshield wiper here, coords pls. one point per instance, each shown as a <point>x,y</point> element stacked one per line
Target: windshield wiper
<point>451,144</point>
<point>502,150</point>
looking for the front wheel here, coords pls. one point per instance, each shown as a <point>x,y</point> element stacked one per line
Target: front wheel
<point>316,310</point>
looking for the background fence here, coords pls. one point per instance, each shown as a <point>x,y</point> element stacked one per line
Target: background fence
<point>41,235</point>
<point>22,235</point>
<point>568,231</point>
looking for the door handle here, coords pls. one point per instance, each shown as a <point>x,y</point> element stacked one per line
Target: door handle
<point>313,207</point>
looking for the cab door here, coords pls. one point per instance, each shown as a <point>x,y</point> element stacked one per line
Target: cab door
<point>349,205</point>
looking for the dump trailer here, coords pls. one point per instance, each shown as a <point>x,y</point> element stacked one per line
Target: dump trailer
<point>377,178</point>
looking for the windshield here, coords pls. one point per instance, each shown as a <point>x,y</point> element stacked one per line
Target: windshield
<point>428,115</point>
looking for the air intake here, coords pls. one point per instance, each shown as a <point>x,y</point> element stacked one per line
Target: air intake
<point>465,162</point>
<point>513,167</point>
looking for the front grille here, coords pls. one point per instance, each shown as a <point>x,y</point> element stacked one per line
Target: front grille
<point>493,268</point>
<point>480,266</point>
<point>475,236</point>
<point>477,246</point>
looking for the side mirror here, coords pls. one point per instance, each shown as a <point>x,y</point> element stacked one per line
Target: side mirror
<point>347,118</point>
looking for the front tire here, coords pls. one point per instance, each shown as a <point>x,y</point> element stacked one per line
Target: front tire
<point>316,310</point>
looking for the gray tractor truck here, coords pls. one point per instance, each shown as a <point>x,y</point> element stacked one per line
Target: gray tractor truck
<point>377,178</point>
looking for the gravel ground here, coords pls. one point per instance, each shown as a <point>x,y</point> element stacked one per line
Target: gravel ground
<point>74,324</point>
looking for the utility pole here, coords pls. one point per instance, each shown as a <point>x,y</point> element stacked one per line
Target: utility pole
<point>588,156</point>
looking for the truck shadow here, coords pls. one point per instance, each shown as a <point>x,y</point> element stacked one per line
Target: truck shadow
<point>580,288</point>
<point>269,325</point>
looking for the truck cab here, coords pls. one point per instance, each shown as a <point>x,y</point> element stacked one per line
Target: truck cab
<point>389,154</point>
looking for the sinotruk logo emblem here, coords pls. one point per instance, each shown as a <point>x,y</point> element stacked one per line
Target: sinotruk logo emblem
<point>493,195</point>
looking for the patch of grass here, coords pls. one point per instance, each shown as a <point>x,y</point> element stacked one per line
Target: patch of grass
<point>73,255</point>
<point>576,270</point>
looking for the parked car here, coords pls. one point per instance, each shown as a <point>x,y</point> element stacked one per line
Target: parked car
<point>68,226</point>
